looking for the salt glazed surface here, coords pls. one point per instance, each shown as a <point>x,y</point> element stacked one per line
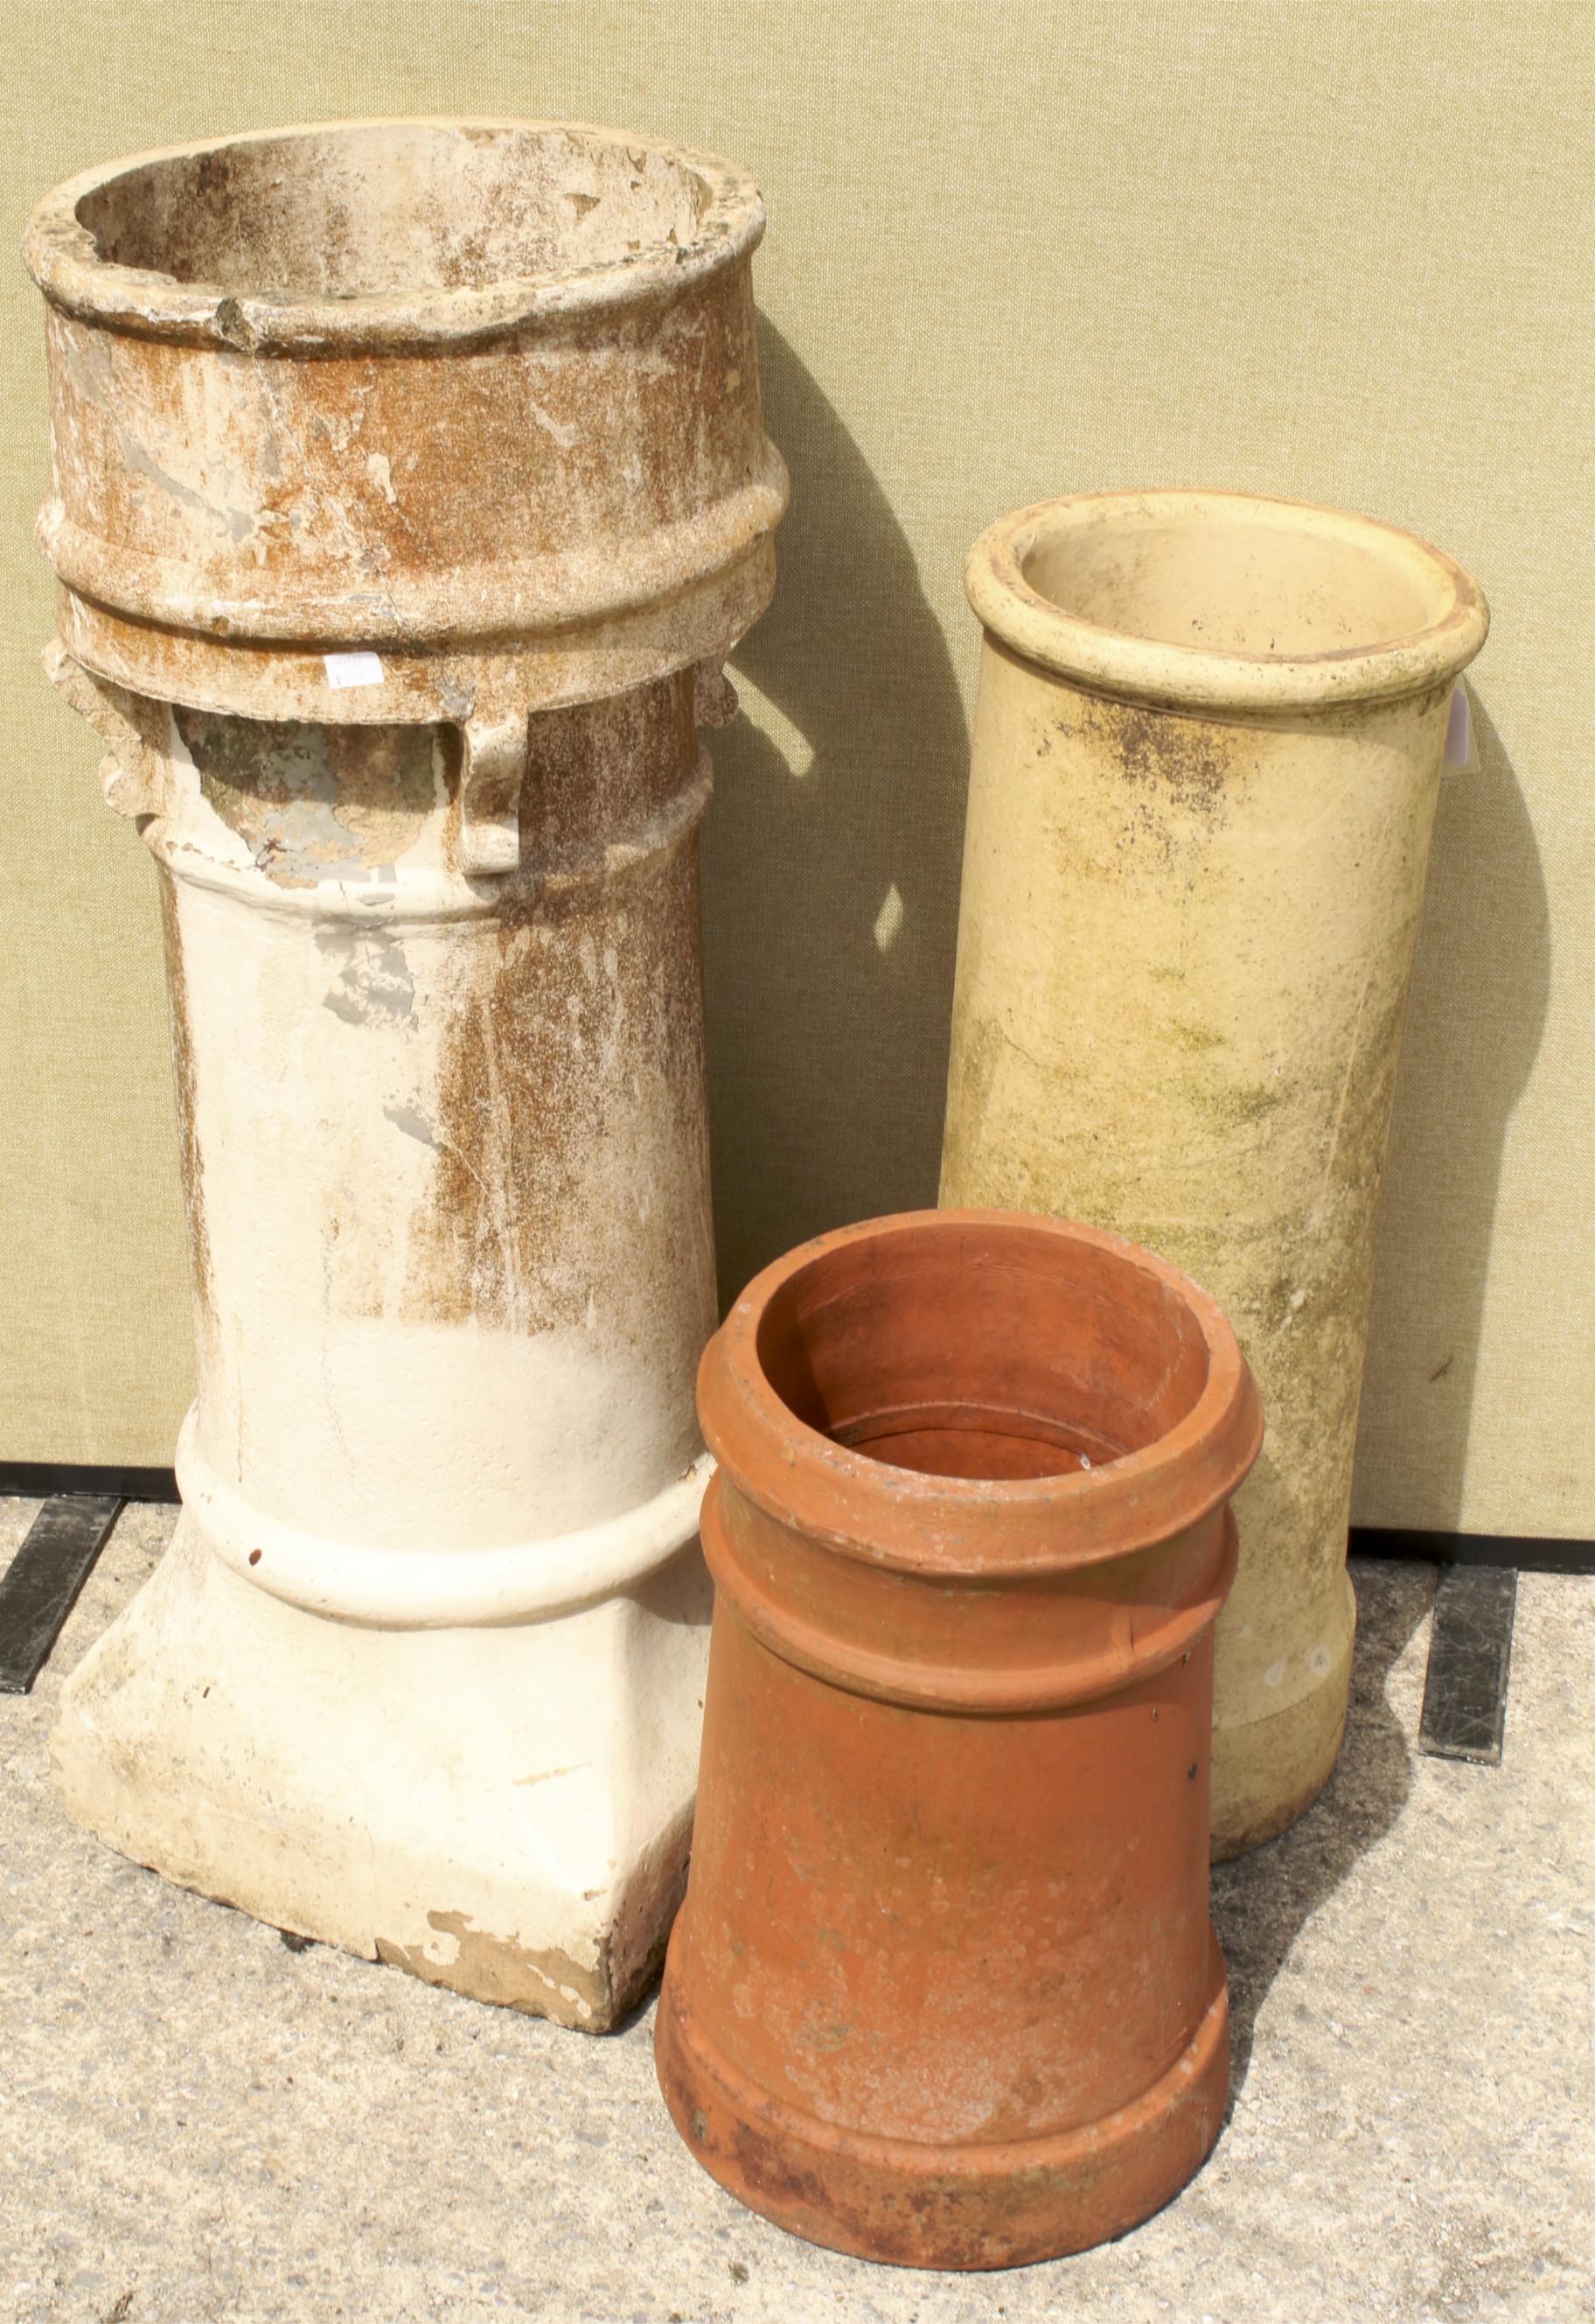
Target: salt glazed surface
<point>409,488</point>
<point>1207,751</point>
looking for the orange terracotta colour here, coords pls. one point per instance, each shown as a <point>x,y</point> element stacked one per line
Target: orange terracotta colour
<point>945,1991</point>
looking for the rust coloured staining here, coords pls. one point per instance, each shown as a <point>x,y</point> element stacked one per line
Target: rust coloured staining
<point>473,406</point>
<point>566,1083</point>
<point>1188,759</point>
<point>609,419</point>
<point>571,1152</point>
<point>183,1059</point>
<point>603,768</point>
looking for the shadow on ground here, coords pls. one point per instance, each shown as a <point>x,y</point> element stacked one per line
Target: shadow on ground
<point>1261,1902</point>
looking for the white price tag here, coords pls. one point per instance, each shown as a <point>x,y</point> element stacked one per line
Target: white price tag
<point>353,670</point>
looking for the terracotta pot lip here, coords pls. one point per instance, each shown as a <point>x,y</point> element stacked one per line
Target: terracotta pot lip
<point>981,1529</point>
<point>61,255</point>
<point>1174,677</point>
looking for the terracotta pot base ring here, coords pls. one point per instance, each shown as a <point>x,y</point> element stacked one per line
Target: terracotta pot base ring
<point>911,2204</point>
<point>945,1991</point>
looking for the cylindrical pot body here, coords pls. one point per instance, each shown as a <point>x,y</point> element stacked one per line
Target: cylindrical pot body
<point>408,489</point>
<point>944,1991</point>
<point>482,396</point>
<point>1208,741</point>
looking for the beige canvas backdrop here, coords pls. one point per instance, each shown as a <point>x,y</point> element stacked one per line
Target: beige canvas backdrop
<point>1339,249</point>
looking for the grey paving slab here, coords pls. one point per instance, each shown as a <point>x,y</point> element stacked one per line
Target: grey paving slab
<point>197,2122</point>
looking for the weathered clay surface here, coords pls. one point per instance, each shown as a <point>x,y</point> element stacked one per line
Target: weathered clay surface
<point>410,489</point>
<point>944,1990</point>
<point>1207,751</point>
<point>417,385</point>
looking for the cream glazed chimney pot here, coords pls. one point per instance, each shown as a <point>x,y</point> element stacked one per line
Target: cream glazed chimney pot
<point>410,487</point>
<point>1208,742</point>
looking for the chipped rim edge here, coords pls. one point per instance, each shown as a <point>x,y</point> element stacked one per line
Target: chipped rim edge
<point>1175,677</point>
<point>60,254</point>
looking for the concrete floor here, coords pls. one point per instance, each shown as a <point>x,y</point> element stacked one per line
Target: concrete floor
<point>196,2122</point>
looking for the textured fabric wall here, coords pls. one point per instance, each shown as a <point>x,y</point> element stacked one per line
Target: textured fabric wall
<point>1332,249</point>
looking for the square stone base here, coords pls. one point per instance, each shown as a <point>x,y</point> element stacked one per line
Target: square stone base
<point>504,1810</point>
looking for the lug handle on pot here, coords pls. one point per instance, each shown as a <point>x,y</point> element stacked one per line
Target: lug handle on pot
<point>713,696</point>
<point>490,794</point>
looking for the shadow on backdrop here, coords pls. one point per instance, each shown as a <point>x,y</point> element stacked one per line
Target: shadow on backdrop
<point>1480,990</point>
<point>831,861</point>
<point>1262,1901</point>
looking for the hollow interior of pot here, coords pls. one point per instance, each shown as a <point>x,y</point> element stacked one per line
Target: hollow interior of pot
<point>367,210</point>
<point>1263,580</point>
<point>994,1350</point>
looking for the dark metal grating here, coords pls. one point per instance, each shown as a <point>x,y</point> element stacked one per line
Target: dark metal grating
<point>1469,1656</point>
<point>41,1480</point>
<point>38,1588</point>
<point>1526,1553</point>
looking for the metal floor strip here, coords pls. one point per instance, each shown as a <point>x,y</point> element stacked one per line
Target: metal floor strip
<point>38,1588</point>
<point>1528,1552</point>
<point>1470,1659</point>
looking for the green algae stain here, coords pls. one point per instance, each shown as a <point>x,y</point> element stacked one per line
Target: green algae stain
<point>1243,1107</point>
<point>1195,1037</point>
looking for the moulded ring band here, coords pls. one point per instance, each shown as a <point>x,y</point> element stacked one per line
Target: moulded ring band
<point>1143,1642</point>
<point>549,593</point>
<point>437,1590</point>
<point>412,898</point>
